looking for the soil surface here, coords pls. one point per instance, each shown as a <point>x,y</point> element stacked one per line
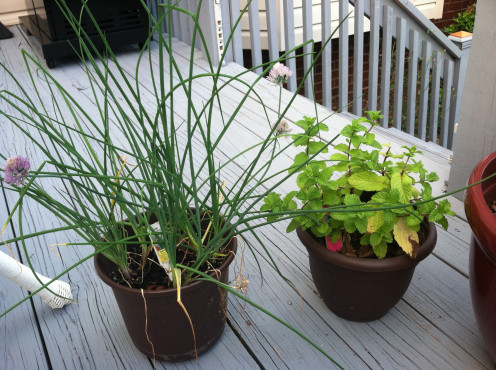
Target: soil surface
<point>153,276</point>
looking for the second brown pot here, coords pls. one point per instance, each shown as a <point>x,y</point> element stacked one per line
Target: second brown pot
<point>361,289</point>
<point>162,330</point>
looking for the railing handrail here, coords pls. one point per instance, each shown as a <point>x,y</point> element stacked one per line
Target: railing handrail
<point>421,95</point>
<point>411,12</point>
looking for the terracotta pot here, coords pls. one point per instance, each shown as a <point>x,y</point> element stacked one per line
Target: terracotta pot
<point>482,266</point>
<point>361,289</point>
<point>164,323</point>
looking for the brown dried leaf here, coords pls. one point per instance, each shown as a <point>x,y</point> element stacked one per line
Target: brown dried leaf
<point>415,246</point>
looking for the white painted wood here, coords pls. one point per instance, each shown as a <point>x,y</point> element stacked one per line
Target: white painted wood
<point>412,82</point>
<point>476,131</point>
<point>434,103</point>
<point>256,50</point>
<point>272,29</point>
<point>445,114</point>
<point>431,9</point>
<point>11,10</point>
<point>387,40</point>
<point>290,42</point>
<point>308,55</point>
<point>343,57</point>
<point>399,74</point>
<point>236,42</point>
<point>424,88</point>
<point>375,16</point>
<point>358,59</point>
<point>326,55</point>
<point>459,75</point>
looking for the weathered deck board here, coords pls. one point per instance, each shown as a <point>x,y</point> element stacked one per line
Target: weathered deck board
<point>432,327</point>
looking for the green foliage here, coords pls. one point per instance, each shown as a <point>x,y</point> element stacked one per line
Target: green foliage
<point>363,187</point>
<point>463,21</point>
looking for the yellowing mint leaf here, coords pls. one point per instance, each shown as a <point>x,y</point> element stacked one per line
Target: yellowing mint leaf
<point>406,238</point>
<point>368,181</point>
<point>403,184</point>
<point>375,222</point>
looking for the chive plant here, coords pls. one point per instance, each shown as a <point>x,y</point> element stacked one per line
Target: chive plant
<point>144,153</point>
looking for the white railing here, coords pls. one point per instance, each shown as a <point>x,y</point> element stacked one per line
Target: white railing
<point>415,73</point>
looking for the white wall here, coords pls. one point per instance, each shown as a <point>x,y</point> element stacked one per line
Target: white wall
<point>476,135</point>
<point>11,10</point>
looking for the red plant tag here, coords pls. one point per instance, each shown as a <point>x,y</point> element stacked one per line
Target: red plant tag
<point>335,247</point>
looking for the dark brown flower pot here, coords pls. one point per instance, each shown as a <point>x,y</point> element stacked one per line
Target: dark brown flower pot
<point>361,289</point>
<point>482,266</point>
<point>163,322</point>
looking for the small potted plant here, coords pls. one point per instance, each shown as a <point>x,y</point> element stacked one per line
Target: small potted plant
<point>372,221</point>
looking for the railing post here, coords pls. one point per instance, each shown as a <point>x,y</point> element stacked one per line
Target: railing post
<point>463,40</point>
<point>211,23</point>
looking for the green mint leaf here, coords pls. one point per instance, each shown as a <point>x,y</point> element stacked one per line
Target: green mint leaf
<point>375,239</point>
<point>316,146</point>
<point>339,157</point>
<point>380,250</point>
<point>368,181</point>
<point>341,147</point>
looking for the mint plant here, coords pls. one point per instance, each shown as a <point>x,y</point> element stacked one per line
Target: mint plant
<point>367,193</point>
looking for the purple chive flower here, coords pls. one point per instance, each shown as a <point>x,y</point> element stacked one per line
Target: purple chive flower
<point>16,170</point>
<point>282,128</point>
<point>279,74</point>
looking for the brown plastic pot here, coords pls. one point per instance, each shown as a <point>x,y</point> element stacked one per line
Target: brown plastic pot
<point>361,289</point>
<point>482,265</point>
<point>164,323</point>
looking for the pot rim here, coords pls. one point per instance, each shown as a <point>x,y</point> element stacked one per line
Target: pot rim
<point>481,219</point>
<point>100,258</point>
<point>366,264</point>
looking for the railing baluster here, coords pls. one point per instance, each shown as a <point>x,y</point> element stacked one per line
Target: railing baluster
<point>176,24</point>
<point>460,70</point>
<point>326,54</point>
<point>399,73</point>
<point>289,38</point>
<point>237,41</point>
<point>387,39</point>
<point>256,50</point>
<point>447,85</point>
<point>183,23</point>
<point>456,101</point>
<point>272,31</point>
<point>412,82</point>
<point>343,56</point>
<point>226,30</point>
<point>307,48</point>
<point>434,104</point>
<point>375,21</point>
<point>358,59</point>
<point>424,89</point>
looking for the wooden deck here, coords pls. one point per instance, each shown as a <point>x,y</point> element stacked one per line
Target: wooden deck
<point>433,326</point>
